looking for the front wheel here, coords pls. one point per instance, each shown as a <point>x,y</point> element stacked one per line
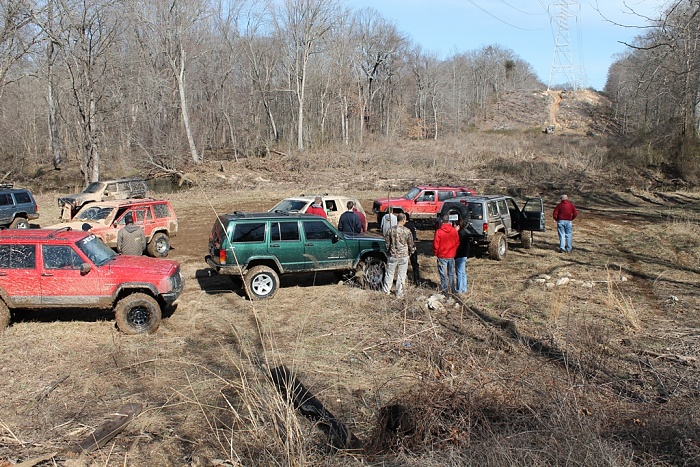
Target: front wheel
<point>498,247</point>
<point>19,223</point>
<point>261,282</point>
<point>370,273</point>
<point>5,316</point>
<point>137,313</point>
<point>159,246</point>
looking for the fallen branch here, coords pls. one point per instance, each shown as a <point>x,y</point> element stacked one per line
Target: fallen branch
<point>108,429</point>
<point>293,391</point>
<point>47,390</point>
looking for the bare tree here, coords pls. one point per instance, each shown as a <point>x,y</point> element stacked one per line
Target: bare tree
<point>303,25</point>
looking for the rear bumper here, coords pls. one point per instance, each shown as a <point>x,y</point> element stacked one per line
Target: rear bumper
<point>229,270</point>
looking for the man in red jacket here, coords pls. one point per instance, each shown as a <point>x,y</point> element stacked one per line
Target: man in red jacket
<point>564,213</point>
<point>445,246</point>
<point>317,208</point>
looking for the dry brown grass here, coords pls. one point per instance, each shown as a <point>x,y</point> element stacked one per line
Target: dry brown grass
<point>586,373</point>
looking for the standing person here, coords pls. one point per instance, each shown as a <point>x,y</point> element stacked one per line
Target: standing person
<point>131,239</point>
<point>317,208</point>
<point>388,221</point>
<point>461,256</point>
<point>399,246</point>
<point>361,215</point>
<point>564,213</point>
<point>445,246</point>
<point>415,267</point>
<point>349,221</point>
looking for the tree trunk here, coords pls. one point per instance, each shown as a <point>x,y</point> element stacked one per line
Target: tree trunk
<point>180,75</point>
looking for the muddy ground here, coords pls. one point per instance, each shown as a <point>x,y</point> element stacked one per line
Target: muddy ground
<point>587,358</point>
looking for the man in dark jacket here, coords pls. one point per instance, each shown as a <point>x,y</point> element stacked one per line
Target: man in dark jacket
<point>349,221</point>
<point>131,239</point>
<point>564,213</point>
<point>411,226</point>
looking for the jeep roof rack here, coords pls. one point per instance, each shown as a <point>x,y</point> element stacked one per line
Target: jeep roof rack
<point>6,185</point>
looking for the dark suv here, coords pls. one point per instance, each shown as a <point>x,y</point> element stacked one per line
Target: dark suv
<point>74,269</point>
<point>17,207</point>
<point>493,219</point>
<point>259,247</point>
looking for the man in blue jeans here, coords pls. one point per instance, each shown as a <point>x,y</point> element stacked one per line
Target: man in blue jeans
<point>564,213</point>
<point>445,244</point>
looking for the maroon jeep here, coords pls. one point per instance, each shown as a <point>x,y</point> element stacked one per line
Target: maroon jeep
<point>421,202</point>
<point>66,268</point>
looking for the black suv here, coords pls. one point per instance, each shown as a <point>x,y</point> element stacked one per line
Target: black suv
<point>493,219</point>
<point>17,207</point>
<point>259,247</point>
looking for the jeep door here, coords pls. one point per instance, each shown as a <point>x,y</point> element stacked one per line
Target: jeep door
<point>19,274</point>
<point>533,215</point>
<point>286,245</point>
<point>7,208</point>
<point>62,281</point>
<point>324,246</point>
<point>427,202</point>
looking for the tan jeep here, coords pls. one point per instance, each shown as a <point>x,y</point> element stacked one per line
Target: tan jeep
<point>104,190</point>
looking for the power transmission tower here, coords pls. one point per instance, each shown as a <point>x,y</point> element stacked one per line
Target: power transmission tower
<point>561,11</point>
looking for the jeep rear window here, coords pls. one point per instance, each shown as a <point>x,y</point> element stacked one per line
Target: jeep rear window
<point>5,199</point>
<point>17,256</point>
<point>161,210</point>
<point>475,210</point>
<point>317,230</point>
<point>22,197</point>
<point>290,205</point>
<point>284,231</point>
<point>249,232</point>
<point>94,187</point>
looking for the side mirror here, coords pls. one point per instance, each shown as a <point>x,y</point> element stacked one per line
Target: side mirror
<point>336,238</point>
<point>85,268</point>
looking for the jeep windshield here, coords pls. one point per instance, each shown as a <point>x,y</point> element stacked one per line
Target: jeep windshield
<point>96,250</point>
<point>93,187</point>
<point>290,205</point>
<point>412,193</point>
<point>94,213</point>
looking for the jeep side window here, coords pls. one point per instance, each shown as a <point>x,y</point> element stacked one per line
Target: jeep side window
<point>443,195</point>
<point>60,257</point>
<point>284,231</point>
<point>249,232</point>
<point>6,199</point>
<point>124,187</point>
<point>22,197</point>
<point>161,210</point>
<point>111,188</point>
<point>17,257</point>
<point>330,205</point>
<point>427,196</point>
<point>503,207</point>
<point>318,230</point>
<point>493,209</point>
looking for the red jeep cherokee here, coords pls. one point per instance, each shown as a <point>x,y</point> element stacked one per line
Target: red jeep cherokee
<point>65,268</point>
<point>421,202</point>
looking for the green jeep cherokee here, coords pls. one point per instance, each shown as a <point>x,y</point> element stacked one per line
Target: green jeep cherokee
<point>259,247</point>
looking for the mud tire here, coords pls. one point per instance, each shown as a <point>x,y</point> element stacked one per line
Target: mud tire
<point>261,283</point>
<point>527,239</point>
<point>498,247</point>
<point>159,246</point>
<point>370,273</point>
<point>137,313</point>
<point>19,223</point>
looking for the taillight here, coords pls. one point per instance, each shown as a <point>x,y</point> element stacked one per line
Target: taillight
<point>222,256</point>
<point>485,227</point>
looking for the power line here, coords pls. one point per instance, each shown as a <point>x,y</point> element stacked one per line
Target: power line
<point>501,20</point>
<point>521,11</point>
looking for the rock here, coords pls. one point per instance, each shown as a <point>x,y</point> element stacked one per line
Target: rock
<point>563,281</point>
<point>587,284</point>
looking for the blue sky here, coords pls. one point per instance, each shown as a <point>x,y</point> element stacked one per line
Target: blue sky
<point>446,26</point>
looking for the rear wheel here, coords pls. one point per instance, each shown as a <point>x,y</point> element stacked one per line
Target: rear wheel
<point>137,313</point>
<point>370,273</point>
<point>527,239</point>
<point>159,246</point>
<point>261,282</point>
<point>498,247</point>
<point>4,315</point>
<point>19,223</point>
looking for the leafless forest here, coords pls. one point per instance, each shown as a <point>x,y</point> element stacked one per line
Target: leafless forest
<point>125,86</point>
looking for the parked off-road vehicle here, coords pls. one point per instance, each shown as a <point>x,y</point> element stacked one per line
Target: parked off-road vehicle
<point>333,204</point>
<point>65,268</point>
<point>123,188</point>
<point>420,202</point>
<point>259,247</point>
<point>493,219</point>
<point>17,207</point>
<point>155,216</point>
